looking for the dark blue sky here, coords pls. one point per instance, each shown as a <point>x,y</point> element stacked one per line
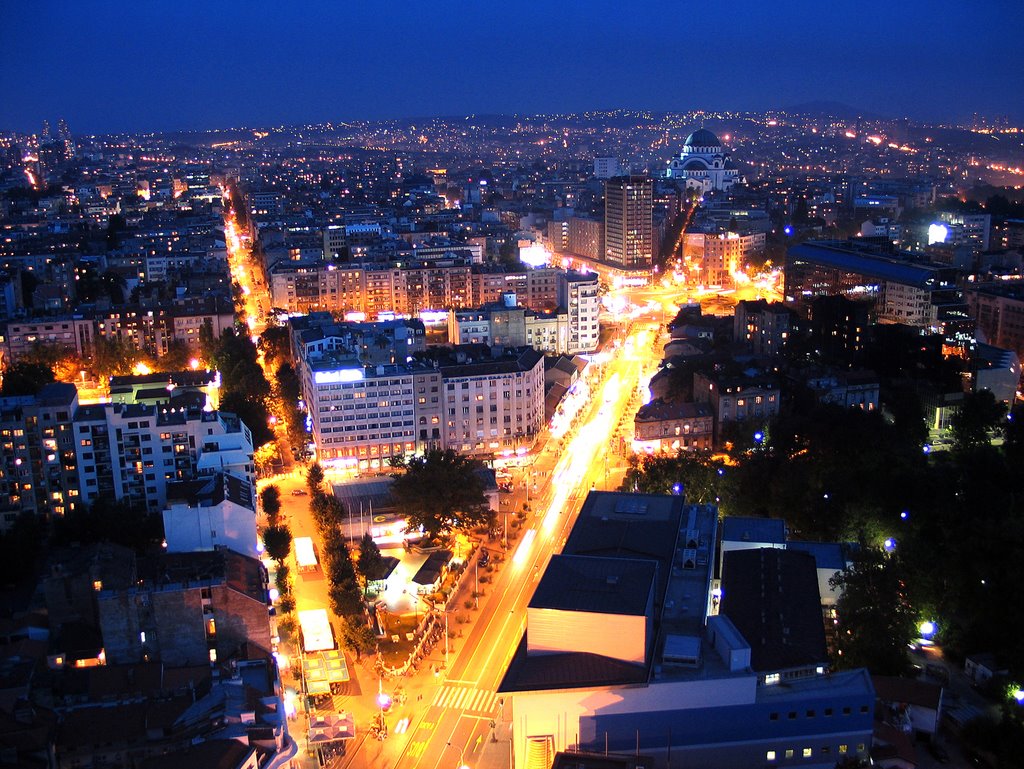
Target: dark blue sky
<point>147,64</point>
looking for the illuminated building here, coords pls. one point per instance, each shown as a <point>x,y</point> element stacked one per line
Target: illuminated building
<point>763,328</point>
<point>628,222</point>
<point>38,473</point>
<point>362,414</point>
<point>999,311</point>
<point>632,645</point>
<point>737,397</point>
<point>903,289</point>
<point>132,451</point>
<point>673,426</point>
<point>703,164</point>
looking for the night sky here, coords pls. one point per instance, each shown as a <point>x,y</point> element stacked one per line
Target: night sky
<point>149,65</point>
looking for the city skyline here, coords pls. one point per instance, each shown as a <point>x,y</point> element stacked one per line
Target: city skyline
<point>157,67</point>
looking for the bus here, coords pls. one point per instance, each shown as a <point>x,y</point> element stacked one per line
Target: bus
<point>305,554</point>
<point>317,633</point>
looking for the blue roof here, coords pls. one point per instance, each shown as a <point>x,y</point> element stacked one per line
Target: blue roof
<point>737,528</point>
<point>827,555</point>
<point>849,256</point>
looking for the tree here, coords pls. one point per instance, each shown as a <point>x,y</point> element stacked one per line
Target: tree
<point>276,346</point>
<point>209,344</point>
<point>978,414</point>
<point>441,492</point>
<point>270,499</point>
<point>370,563</point>
<point>337,559</point>
<point>177,357</point>
<point>113,356</point>
<point>345,598</point>
<point>357,637</point>
<point>24,378</point>
<point>315,477</point>
<point>278,542</point>
<point>327,512</point>
<point>876,621</point>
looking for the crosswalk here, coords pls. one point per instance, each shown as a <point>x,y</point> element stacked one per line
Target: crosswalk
<point>466,699</point>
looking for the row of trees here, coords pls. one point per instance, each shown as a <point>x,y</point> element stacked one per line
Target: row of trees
<point>344,592</point>
<point>245,390</point>
<point>954,519</point>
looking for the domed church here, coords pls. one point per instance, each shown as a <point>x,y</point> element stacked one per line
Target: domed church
<point>703,164</point>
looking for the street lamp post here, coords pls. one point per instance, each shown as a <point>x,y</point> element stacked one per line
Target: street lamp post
<point>462,755</point>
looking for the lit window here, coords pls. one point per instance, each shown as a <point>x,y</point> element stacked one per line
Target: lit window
<point>808,752</point>
<point>770,755</point>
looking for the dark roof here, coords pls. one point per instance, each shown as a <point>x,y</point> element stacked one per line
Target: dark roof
<point>907,690</point>
<point>827,555</point>
<point>659,410</point>
<point>239,572</point>
<point>564,671</point>
<point>771,596</point>
<point>210,490</point>
<point>522,359</point>
<point>620,525</point>
<point>578,760</point>
<point>432,567</point>
<point>213,754</point>
<point>597,585</point>
<point>857,258</point>
<point>702,138</point>
<point>740,528</point>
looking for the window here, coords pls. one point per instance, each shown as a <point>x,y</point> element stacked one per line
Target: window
<point>828,712</point>
<point>789,753</point>
<point>792,715</point>
<point>842,750</point>
<point>863,708</point>
<point>846,711</point>
<point>773,717</point>
<point>810,714</point>
<point>770,755</point>
<point>808,752</point>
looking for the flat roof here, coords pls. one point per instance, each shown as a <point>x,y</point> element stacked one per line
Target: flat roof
<point>771,596</point>
<point>741,528</point>
<point>595,584</point>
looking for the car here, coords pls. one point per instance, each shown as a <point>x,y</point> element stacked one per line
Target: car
<point>299,492</point>
<point>485,559</point>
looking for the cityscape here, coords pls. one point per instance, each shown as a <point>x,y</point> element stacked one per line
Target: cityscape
<point>506,438</point>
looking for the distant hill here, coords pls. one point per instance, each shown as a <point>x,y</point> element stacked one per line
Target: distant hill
<point>833,109</point>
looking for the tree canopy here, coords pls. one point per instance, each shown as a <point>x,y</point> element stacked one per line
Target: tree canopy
<point>876,620</point>
<point>442,492</point>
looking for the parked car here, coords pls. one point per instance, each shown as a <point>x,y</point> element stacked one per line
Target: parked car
<point>485,558</point>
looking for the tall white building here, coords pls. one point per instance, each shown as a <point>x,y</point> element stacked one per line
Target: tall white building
<point>131,451</point>
<point>578,293</point>
<point>703,164</point>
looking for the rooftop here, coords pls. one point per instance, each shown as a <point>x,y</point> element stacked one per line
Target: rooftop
<point>771,596</point>
<point>597,585</point>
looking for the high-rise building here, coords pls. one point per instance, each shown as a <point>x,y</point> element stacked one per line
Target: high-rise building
<point>628,221</point>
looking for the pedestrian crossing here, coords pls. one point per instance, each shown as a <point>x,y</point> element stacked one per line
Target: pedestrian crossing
<point>466,699</point>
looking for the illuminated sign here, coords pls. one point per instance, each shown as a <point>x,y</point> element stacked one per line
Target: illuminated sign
<point>339,375</point>
<point>937,233</point>
<point>535,256</point>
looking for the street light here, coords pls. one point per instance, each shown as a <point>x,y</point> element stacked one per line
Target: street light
<point>462,755</point>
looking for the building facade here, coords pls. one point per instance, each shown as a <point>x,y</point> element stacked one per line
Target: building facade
<point>629,222</point>
<point>703,164</point>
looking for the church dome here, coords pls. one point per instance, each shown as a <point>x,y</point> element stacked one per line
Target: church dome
<point>702,138</point>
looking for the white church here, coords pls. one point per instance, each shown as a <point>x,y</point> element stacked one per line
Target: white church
<point>703,164</point>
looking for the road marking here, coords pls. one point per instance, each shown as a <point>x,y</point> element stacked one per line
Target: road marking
<point>458,698</point>
<point>418,748</point>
